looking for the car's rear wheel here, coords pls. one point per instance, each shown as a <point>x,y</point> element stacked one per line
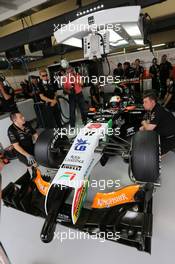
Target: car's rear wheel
<point>145,157</point>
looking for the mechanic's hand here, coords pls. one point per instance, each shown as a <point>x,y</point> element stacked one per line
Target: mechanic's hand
<point>145,122</point>
<point>141,128</point>
<point>53,103</point>
<point>31,160</point>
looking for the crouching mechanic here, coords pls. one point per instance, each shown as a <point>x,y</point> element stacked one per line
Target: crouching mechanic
<point>159,119</point>
<point>22,136</point>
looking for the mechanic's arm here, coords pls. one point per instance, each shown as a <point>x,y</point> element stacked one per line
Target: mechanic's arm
<point>35,137</point>
<point>18,148</point>
<point>48,100</point>
<point>147,126</point>
<point>95,99</point>
<point>45,99</point>
<point>4,93</point>
<point>167,99</point>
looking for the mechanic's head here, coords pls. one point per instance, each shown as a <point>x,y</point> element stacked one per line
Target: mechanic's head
<point>43,75</point>
<point>119,65</point>
<point>70,69</point>
<point>137,62</point>
<point>149,100</point>
<point>17,118</point>
<point>154,61</point>
<point>169,82</point>
<point>33,79</point>
<point>164,58</point>
<point>126,65</point>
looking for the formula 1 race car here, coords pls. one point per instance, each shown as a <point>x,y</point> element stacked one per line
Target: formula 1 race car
<point>126,211</point>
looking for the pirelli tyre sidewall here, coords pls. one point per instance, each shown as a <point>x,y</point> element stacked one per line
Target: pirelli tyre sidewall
<point>45,147</point>
<point>145,156</point>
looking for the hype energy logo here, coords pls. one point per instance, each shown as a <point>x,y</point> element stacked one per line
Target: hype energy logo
<point>81,145</point>
<point>68,175</point>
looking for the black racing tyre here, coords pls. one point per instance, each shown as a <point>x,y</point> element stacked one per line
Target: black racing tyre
<point>145,156</point>
<point>50,149</point>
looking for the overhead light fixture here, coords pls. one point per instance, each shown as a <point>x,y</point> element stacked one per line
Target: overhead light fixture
<point>139,41</point>
<point>113,36</point>
<point>95,8</point>
<point>158,45</point>
<point>75,42</point>
<point>119,43</point>
<point>132,30</point>
<point>140,49</point>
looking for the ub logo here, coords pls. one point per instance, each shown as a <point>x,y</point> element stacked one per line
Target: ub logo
<point>81,145</point>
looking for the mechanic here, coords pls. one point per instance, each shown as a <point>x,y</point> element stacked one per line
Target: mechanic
<point>95,95</point>
<point>34,88</point>
<point>95,69</point>
<point>22,136</point>
<point>73,87</point>
<point>26,89</point>
<point>159,119</point>
<point>138,74</point>
<point>48,95</point>
<point>128,71</point>
<point>118,72</point>
<point>169,100</point>
<point>154,72</point>
<point>165,73</point>
<point>7,102</point>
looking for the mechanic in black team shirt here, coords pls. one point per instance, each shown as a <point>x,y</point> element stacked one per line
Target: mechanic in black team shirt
<point>22,136</point>
<point>160,120</point>
<point>7,103</point>
<point>48,95</point>
<point>169,100</point>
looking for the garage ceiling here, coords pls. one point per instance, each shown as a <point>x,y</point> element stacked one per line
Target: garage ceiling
<point>11,10</point>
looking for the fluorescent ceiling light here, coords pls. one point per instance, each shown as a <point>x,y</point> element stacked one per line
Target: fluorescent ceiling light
<point>159,45</point>
<point>75,42</point>
<point>132,30</point>
<point>139,41</point>
<point>119,43</point>
<point>113,36</point>
<point>140,48</point>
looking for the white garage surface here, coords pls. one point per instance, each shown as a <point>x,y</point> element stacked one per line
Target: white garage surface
<point>20,233</point>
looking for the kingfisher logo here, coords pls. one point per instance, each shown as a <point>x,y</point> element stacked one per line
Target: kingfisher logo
<point>81,145</point>
<point>68,175</point>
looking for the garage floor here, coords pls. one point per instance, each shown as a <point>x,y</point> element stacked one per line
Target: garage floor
<point>20,233</point>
